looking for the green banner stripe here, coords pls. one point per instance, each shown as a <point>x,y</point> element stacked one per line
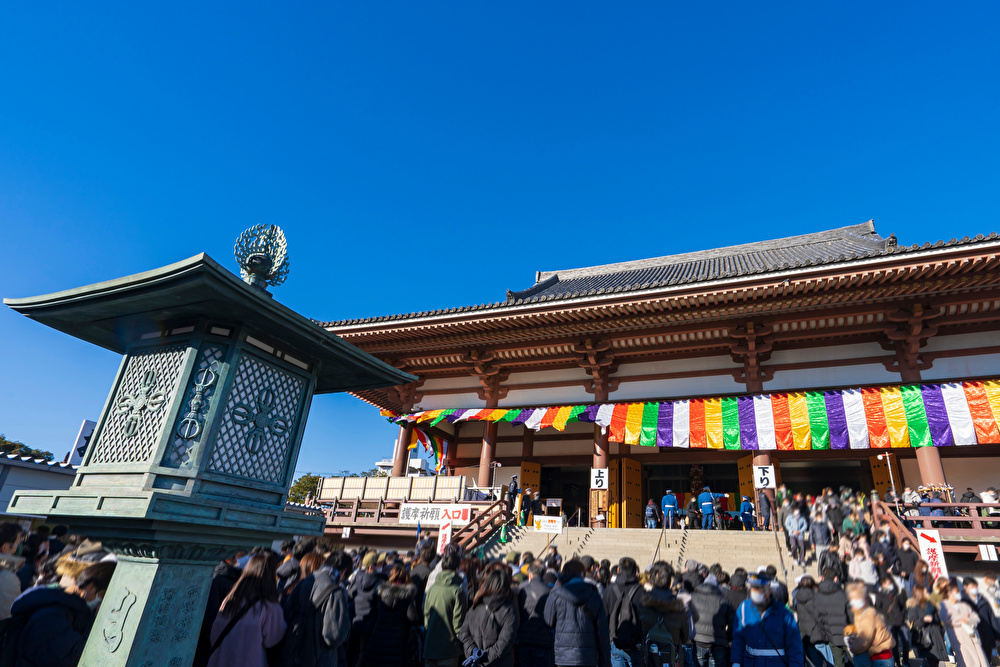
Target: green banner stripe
<point>440,417</point>
<point>575,413</point>
<point>730,423</point>
<point>819,425</point>
<point>916,415</point>
<point>650,419</point>
<point>510,416</point>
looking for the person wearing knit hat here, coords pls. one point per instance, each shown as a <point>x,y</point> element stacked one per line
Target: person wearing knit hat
<point>370,560</point>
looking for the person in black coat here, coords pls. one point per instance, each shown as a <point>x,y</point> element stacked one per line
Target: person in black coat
<point>737,591</point>
<point>399,609</point>
<point>56,629</point>
<point>577,614</point>
<point>317,611</point>
<point>363,591</point>
<point>908,557</point>
<point>534,637</point>
<point>809,625</point>
<point>491,624</point>
<point>988,628</point>
<point>926,629</point>
<point>891,603</point>
<point>621,601</point>
<point>421,570</point>
<point>831,613</point>
<point>224,577</point>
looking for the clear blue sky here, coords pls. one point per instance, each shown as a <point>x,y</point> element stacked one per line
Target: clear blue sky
<point>423,154</point>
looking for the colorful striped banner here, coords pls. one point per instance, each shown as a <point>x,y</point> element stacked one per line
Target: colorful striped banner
<point>927,415</point>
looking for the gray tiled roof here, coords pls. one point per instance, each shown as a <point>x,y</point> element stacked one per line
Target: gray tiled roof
<point>835,245</point>
<point>794,252</point>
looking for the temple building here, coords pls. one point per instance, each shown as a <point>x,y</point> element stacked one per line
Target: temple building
<point>816,354</point>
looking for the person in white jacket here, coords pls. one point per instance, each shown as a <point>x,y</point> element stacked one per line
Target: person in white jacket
<point>861,568</point>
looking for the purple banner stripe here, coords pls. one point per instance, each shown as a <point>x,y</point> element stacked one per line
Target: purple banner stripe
<point>748,423</point>
<point>665,425</point>
<point>937,416</point>
<point>590,414</point>
<point>521,418</point>
<point>836,417</point>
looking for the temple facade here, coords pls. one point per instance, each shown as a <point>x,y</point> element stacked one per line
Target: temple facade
<point>719,349</point>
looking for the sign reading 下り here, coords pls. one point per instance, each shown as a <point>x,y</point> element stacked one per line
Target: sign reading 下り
<point>427,514</point>
<point>763,477</point>
<point>599,478</point>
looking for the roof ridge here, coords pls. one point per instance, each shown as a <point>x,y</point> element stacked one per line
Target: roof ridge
<point>865,229</point>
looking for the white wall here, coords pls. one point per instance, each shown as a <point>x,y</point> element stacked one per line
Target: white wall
<point>19,479</point>
<point>979,472</point>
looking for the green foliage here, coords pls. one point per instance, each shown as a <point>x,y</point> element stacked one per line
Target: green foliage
<point>307,485</point>
<point>21,449</point>
<point>372,472</point>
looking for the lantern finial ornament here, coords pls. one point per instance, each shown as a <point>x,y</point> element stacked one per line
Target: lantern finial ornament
<point>262,254</point>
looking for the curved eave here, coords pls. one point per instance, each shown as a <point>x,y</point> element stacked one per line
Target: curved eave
<point>109,314</point>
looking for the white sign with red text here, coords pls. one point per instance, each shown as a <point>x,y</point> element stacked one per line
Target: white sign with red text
<point>932,552</point>
<point>444,537</point>
<point>427,514</point>
<point>548,524</point>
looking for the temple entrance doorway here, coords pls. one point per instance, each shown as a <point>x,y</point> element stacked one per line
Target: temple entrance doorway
<point>572,484</point>
<point>811,477</point>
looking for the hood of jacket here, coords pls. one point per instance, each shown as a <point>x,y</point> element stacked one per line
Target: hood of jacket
<point>39,597</point>
<point>737,582</point>
<point>448,578</point>
<point>661,601</point>
<point>394,595</point>
<point>576,591</point>
<point>366,582</point>
<point>805,595</point>
<point>827,587</point>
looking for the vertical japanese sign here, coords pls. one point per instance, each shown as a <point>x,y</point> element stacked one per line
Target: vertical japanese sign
<point>599,479</point>
<point>444,537</point>
<point>932,552</point>
<point>763,477</point>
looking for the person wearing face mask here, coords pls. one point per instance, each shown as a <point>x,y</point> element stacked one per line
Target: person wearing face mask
<point>56,626</point>
<point>960,622</point>
<point>992,592</point>
<point>862,569</point>
<point>891,603</point>
<point>765,633</point>
<point>883,545</point>
<point>93,583</point>
<point>908,558</point>
<point>988,625</point>
<point>796,527</point>
<point>868,638</point>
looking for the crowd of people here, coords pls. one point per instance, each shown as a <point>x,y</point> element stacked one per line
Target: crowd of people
<point>874,602</point>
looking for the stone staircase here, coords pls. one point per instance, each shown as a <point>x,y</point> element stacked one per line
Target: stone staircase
<point>728,548</point>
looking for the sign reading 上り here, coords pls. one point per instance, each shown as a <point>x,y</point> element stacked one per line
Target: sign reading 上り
<point>548,524</point>
<point>763,477</point>
<point>599,478</point>
<point>427,514</point>
<point>932,552</point>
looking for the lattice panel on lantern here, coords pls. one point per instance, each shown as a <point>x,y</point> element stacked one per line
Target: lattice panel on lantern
<point>258,424</point>
<point>198,399</point>
<point>135,417</point>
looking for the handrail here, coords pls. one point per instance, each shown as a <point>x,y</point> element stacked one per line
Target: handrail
<point>883,514</point>
<point>471,535</point>
<point>957,525</point>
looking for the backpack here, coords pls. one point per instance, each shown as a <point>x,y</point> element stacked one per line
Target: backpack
<point>625,612</point>
<point>10,636</point>
<point>658,648</point>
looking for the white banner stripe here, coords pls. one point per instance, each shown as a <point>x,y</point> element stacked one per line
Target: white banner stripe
<point>857,423</point>
<point>682,424</point>
<point>957,405</point>
<point>535,420</point>
<point>763,416</point>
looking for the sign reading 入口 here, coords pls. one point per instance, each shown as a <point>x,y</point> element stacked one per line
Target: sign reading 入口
<point>548,524</point>
<point>434,515</point>
<point>599,478</point>
<point>932,552</point>
<point>763,477</point>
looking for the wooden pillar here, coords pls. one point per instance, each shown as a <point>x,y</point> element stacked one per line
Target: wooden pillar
<point>487,455</point>
<point>929,463</point>
<point>600,448</point>
<point>401,454</point>
<point>765,459</point>
<point>528,444</point>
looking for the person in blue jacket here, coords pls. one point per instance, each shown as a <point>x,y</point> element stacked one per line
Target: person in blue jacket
<point>746,513</point>
<point>669,506</point>
<point>706,500</point>
<point>765,633</point>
